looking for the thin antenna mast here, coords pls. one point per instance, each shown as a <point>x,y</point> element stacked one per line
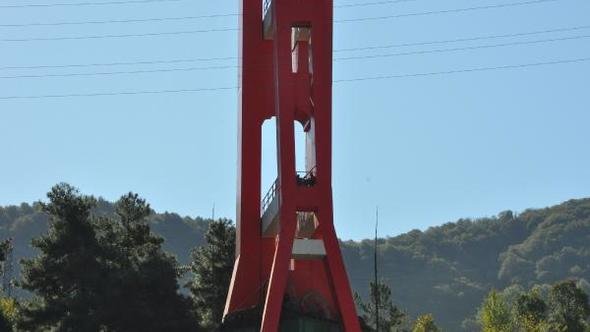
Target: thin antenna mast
<point>376,290</point>
<point>8,269</point>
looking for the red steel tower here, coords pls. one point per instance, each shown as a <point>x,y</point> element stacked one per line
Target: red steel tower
<point>287,252</point>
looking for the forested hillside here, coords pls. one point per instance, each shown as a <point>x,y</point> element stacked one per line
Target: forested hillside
<point>445,270</point>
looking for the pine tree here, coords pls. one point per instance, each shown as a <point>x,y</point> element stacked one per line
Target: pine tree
<point>144,289</point>
<point>69,274</point>
<point>391,318</point>
<point>102,274</point>
<point>212,266</point>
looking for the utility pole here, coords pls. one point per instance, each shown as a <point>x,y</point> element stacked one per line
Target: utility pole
<point>377,290</point>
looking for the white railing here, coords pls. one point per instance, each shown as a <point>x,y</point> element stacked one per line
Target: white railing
<point>270,195</point>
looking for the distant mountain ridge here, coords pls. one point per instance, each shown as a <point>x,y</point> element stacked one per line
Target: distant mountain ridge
<point>445,270</point>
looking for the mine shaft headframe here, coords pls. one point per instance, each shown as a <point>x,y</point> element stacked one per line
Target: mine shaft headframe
<point>287,245</point>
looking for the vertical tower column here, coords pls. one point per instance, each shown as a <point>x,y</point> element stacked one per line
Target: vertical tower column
<point>288,253</point>
<point>255,104</point>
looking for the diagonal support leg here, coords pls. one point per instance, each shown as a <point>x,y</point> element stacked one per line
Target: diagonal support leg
<point>279,272</point>
<point>338,273</point>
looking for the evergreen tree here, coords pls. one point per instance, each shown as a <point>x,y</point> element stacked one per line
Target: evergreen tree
<point>425,323</point>
<point>212,266</point>
<point>102,274</point>
<point>144,289</point>
<point>569,306</point>
<point>391,318</point>
<point>69,274</point>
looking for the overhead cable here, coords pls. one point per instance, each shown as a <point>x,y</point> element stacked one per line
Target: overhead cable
<point>457,49</point>
<point>445,11</point>
<point>469,70</point>
<point>198,17</point>
<point>446,41</point>
<point>130,72</point>
<point>358,79</point>
<point>177,61</point>
<point>121,63</point>
<point>153,34</point>
<point>76,4</point>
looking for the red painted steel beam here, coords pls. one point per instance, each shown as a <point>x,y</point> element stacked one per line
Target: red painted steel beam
<point>290,77</point>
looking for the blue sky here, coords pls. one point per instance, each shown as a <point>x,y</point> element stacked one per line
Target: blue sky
<point>427,149</point>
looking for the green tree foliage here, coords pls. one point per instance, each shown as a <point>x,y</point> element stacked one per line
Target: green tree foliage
<point>101,274</point>
<point>425,323</point>
<point>391,317</point>
<point>445,270</point>
<point>530,311</point>
<point>562,307</point>
<point>4,245</point>
<point>212,266</point>
<point>569,306</point>
<point>7,305</point>
<point>8,313</point>
<point>68,275</point>
<point>495,315</point>
<point>26,222</point>
<point>448,270</point>
<point>143,278</point>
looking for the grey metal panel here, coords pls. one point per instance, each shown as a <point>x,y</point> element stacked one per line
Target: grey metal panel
<point>308,249</point>
<point>270,219</point>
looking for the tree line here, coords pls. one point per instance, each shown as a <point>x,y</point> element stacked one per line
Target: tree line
<point>102,272</point>
<point>110,273</point>
<point>130,275</point>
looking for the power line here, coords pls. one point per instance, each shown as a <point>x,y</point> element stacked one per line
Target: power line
<point>75,4</point>
<point>118,93</point>
<point>156,19</point>
<point>121,72</point>
<point>71,4</point>
<point>359,79</point>
<point>233,66</point>
<point>375,3</point>
<point>182,18</point>
<point>445,11</point>
<point>458,71</point>
<point>119,36</point>
<point>456,49</point>
<point>519,34</point>
<point>108,64</point>
<point>163,19</point>
<point>131,20</point>
<point>193,60</point>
